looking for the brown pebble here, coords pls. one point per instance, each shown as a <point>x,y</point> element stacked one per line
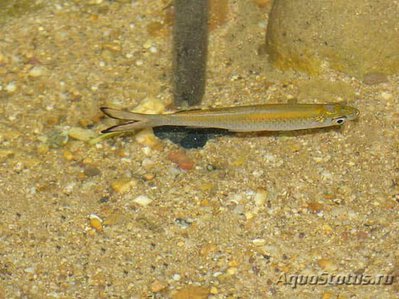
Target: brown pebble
<point>315,207</point>
<point>326,264</point>
<point>149,176</point>
<point>91,171</point>
<point>375,78</point>
<point>327,295</point>
<point>181,159</point>
<point>158,286</point>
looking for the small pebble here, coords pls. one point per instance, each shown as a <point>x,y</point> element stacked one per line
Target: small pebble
<point>115,47</point>
<point>148,176</point>
<point>181,159</point>
<point>81,134</point>
<point>153,50</point>
<point>143,200</point>
<point>158,286</point>
<point>147,44</point>
<point>5,154</point>
<point>150,106</point>
<point>146,137</point>
<point>123,185</point>
<point>30,270</point>
<point>249,215</point>
<point>183,223</point>
<point>103,199</point>
<point>57,138</point>
<point>11,87</point>
<point>36,71</point>
<point>147,151</point>
<point>211,167</point>
<point>326,264</point>
<point>315,207</point>
<point>260,197</point>
<point>68,156</point>
<point>43,149</point>
<point>176,277</point>
<point>96,222</point>
<point>232,271</point>
<point>214,291</point>
<point>147,163</point>
<point>327,295</point>
<point>259,242</point>
<point>233,263</point>
<point>91,171</point>
<point>386,95</point>
<point>68,189</point>
<point>375,78</point>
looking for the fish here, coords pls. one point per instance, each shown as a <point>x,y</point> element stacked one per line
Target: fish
<point>252,118</point>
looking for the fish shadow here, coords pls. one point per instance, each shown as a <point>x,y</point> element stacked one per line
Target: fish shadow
<point>189,138</point>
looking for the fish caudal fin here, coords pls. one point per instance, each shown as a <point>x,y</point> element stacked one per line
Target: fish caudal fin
<point>134,120</point>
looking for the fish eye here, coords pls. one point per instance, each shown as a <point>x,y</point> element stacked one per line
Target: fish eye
<point>339,120</point>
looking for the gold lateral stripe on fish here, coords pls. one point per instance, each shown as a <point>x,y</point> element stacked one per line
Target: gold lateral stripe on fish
<point>267,117</point>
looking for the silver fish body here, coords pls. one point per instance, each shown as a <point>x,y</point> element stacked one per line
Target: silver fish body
<point>268,117</point>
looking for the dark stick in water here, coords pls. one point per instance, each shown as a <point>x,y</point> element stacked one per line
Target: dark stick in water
<point>190,51</point>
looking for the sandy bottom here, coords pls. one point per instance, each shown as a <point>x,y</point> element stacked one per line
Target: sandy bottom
<point>238,218</point>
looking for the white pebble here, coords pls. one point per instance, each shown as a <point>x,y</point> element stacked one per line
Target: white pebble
<point>147,163</point>
<point>257,173</point>
<point>259,242</point>
<point>147,44</point>
<point>386,95</point>
<point>36,71</point>
<point>143,200</point>
<point>176,277</point>
<point>11,87</point>
<point>260,197</point>
<point>29,270</point>
<point>147,151</point>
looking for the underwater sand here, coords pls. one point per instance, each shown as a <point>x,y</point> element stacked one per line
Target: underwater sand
<point>120,219</point>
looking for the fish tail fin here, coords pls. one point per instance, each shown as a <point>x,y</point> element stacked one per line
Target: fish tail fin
<point>134,120</point>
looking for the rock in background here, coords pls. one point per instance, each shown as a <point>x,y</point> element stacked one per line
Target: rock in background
<point>357,37</point>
